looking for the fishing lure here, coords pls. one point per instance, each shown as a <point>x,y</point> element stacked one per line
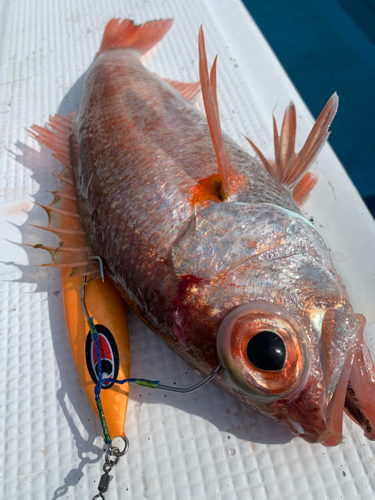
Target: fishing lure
<point>207,243</point>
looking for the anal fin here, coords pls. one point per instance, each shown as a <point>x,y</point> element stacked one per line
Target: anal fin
<point>188,90</point>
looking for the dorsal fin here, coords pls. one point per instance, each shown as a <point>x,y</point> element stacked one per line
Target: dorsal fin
<point>56,139</point>
<point>72,250</point>
<point>127,35</point>
<point>289,167</point>
<point>63,219</point>
<point>231,178</point>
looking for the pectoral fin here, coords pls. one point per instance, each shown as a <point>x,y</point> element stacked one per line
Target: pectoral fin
<point>231,178</point>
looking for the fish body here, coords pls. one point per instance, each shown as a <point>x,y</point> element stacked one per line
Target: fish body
<point>154,146</point>
<point>208,268</point>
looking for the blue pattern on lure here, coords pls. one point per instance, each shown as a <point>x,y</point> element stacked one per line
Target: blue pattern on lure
<point>152,384</point>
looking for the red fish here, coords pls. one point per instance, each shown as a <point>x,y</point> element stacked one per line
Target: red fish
<point>207,243</point>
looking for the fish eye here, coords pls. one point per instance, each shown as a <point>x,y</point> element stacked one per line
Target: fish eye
<point>266,351</point>
<point>262,350</point>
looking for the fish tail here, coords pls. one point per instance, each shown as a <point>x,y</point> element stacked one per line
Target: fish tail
<point>127,35</point>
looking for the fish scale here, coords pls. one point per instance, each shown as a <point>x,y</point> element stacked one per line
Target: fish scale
<point>207,245</point>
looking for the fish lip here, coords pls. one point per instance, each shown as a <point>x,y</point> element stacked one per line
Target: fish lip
<point>322,421</point>
<point>309,435</point>
<point>360,400</point>
<point>335,406</point>
<point>318,428</point>
<point>355,411</point>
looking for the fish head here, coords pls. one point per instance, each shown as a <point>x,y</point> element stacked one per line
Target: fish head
<point>301,372</point>
<point>261,279</point>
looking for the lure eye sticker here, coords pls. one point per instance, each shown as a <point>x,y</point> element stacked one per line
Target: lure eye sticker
<point>108,354</point>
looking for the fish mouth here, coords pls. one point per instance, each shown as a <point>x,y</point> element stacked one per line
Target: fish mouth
<point>356,398</point>
<point>349,385</point>
<point>335,409</point>
<point>355,392</point>
<point>360,399</point>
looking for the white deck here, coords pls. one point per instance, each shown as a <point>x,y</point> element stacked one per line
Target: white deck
<point>199,446</point>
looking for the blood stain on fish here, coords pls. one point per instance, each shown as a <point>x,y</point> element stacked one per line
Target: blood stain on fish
<point>179,214</point>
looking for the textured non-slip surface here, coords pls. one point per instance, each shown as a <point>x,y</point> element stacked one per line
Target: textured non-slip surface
<point>199,446</point>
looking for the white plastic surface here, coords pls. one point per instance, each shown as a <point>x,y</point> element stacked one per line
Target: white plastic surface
<point>199,446</point>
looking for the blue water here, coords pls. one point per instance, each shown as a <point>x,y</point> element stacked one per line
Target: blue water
<point>327,46</point>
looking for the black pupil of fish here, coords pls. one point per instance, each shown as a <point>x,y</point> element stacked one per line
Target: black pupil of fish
<point>266,351</point>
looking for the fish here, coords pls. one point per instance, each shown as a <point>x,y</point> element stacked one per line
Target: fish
<point>207,243</point>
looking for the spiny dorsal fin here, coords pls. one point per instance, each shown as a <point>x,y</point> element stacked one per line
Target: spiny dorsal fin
<point>63,219</point>
<point>289,167</point>
<point>66,256</point>
<point>231,178</point>
<point>62,213</point>
<point>65,178</point>
<point>127,35</point>
<point>72,250</point>
<point>56,139</point>
<point>69,237</point>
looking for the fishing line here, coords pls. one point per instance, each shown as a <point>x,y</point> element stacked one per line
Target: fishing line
<point>113,453</point>
<point>155,384</point>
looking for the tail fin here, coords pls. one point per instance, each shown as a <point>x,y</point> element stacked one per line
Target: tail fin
<point>127,35</point>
